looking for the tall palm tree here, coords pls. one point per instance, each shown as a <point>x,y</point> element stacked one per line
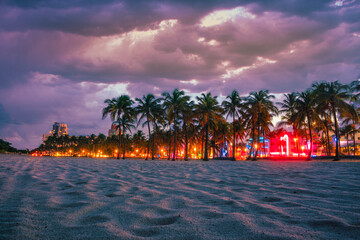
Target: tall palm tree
<point>127,122</point>
<point>305,112</point>
<point>336,95</point>
<point>262,110</point>
<point>116,107</point>
<point>288,108</point>
<point>209,113</point>
<point>174,103</point>
<point>231,107</point>
<point>187,113</point>
<point>346,131</point>
<point>351,118</point>
<point>221,135</point>
<point>139,141</point>
<point>149,109</point>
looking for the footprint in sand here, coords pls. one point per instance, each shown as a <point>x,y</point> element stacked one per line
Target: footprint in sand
<point>74,205</point>
<point>163,220</point>
<point>145,232</point>
<point>95,219</point>
<point>271,199</point>
<point>210,214</point>
<point>111,195</point>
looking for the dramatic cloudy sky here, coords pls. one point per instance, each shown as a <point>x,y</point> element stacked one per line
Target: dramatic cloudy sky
<point>60,59</point>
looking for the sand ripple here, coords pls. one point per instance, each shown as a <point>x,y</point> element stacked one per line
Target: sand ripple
<point>46,198</point>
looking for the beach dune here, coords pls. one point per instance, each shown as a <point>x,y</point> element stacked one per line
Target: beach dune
<point>78,198</point>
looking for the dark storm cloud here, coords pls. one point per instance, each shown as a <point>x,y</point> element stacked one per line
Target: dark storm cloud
<point>113,17</point>
<point>5,118</point>
<point>60,59</point>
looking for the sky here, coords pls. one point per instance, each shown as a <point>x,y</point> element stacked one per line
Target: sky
<point>59,60</point>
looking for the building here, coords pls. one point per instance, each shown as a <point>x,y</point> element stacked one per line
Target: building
<point>58,129</point>
<point>46,136</point>
<point>114,130</point>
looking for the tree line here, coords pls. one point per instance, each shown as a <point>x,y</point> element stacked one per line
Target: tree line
<point>5,147</point>
<point>177,124</point>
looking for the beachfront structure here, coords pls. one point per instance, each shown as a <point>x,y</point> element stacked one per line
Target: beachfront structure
<point>58,129</point>
<point>114,130</point>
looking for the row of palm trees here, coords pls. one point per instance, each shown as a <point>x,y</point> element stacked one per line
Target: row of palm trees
<point>93,145</point>
<point>176,121</point>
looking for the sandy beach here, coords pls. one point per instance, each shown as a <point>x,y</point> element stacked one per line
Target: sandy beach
<point>75,198</point>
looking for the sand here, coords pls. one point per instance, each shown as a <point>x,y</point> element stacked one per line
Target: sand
<point>75,198</point>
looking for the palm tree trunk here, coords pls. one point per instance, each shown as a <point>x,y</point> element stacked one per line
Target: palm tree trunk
<point>174,150</point>
<point>263,143</point>
<point>123,149</point>
<point>258,137</point>
<point>336,133</point>
<point>347,143</point>
<point>252,143</point>
<point>354,141</point>
<point>148,147</point>
<point>153,146</point>
<point>234,139</point>
<point>213,149</point>
<point>297,141</point>
<point>186,143</point>
<point>169,150</point>
<point>206,158</point>
<point>118,152</point>
<point>202,145</point>
<point>310,133</point>
<point>328,140</point>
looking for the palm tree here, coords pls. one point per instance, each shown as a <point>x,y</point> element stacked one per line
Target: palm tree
<point>209,113</point>
<point>353,118</point>
<point>127,123</point>
<point>288,108</point>
<point>174,104</point>
<point>139,140</point>
<point>305,112</point>
<point>336,95</point>
<point>231,108</point>
<point>241,133</point>
<point>116,107</point>
<point>221,135</point>
<point>262,109</point>
<point>346,131</point>
<point>150,110</point>
<point>187,113</point>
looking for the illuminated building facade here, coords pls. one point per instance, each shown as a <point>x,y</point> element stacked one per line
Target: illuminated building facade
<point>287,145</point>
<point>59,129</point>
<point>114,130</point>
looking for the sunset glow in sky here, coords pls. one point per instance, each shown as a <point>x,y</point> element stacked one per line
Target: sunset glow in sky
<point>60,59</point>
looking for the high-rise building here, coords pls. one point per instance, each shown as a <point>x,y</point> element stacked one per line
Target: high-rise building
<point>114,130</point>
<point>59,129</point>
